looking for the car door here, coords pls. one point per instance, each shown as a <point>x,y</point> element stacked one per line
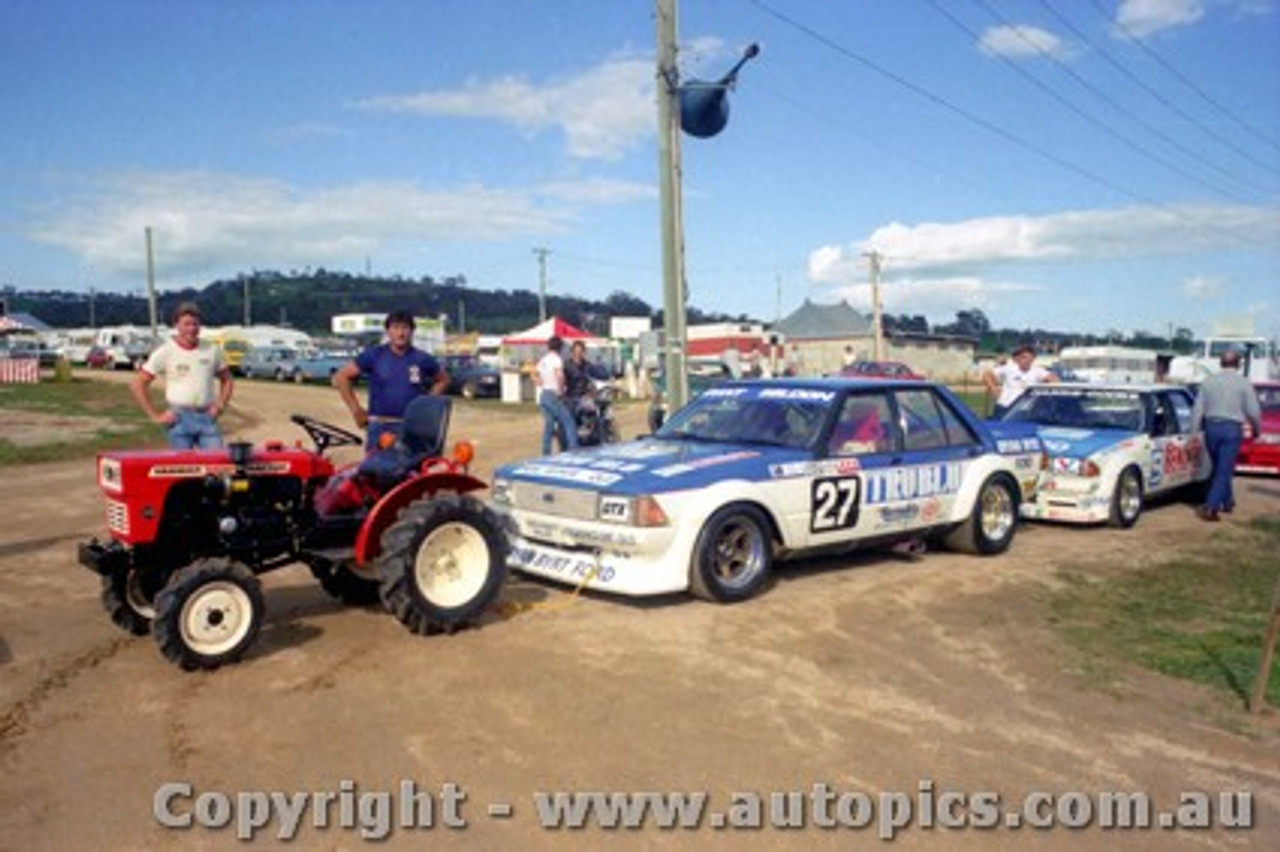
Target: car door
<point>861,440</point>
<point>1185,457</point>
<point>1170,463</point>
<point>938,447</point>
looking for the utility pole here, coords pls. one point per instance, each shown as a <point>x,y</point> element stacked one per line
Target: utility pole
<point>93,319</point>
<point>151,286</point>
<point>248,316</point>
<point>874,259</point>
<point>542,282</point>
<point>674,294</point>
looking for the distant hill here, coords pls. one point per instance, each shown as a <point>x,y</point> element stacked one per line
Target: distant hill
<point>307,300</point>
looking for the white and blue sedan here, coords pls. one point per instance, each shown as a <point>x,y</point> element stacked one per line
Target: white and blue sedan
<point>1110,447</point>
<point>753,471</point>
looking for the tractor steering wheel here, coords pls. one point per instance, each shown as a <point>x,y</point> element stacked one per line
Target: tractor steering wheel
<point>326,435</point>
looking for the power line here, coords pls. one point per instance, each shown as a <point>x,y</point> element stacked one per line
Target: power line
<point>1155,93</point>
<point>985,124</point>
<point>1188,82</point>
<point>1076,109</point>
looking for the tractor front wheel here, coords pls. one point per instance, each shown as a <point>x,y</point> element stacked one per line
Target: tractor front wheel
<point>208,614</point>
<point>443,563</point>
<point>127,601</point>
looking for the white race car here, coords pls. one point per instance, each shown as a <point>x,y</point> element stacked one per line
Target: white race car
<point>1110,446</point>
<point>754,470</point>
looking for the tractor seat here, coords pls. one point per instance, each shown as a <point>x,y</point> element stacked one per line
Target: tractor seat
<point>422,436</point>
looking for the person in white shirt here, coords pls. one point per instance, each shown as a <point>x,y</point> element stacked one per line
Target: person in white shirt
<point>189,366</point>
<point>1007,381</point>
<point>556,417</point>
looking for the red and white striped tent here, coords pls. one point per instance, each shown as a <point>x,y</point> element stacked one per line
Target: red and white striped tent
<point>16,370</point>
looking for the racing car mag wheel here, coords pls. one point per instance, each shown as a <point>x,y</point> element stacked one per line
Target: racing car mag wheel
<point>470,391</point>
<point>990,526</point>
<point>208,613</point>
<point>345,581</point>
<point>126,600</point>
<point>1126,500</point>
<point>443,563</point>
<point>733,555</point>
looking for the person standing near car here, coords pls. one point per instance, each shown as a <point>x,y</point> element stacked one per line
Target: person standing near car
<point>549,376</point>
<point>188,365</point>
<point>1226,402</point>
<point>397,373</point>
<point>577,376</point>
<point>1007,381</point>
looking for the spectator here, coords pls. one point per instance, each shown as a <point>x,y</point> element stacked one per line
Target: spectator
<point>1007,381</point>
<point>1227,400</point>
<point>189,366</point>
<point>397,373</point>
<point>557,420</point>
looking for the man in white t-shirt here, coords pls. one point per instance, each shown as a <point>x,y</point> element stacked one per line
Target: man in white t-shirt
<point>189,366</point>
<point>556,417</point>
<point>1007,381</point>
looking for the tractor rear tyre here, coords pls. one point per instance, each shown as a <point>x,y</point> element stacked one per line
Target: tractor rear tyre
<point>208,614</point>
<point>443,563</point>
<point>127,601</point>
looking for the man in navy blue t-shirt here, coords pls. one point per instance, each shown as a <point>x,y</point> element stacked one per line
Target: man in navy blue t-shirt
<point>397,372</point>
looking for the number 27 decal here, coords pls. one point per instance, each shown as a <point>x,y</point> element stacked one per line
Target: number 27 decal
<point>835,504</point>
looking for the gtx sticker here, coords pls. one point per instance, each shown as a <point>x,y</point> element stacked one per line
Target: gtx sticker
<point>835,504</point>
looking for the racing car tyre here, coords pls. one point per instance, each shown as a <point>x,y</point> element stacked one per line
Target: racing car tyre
<point>343,582</point>
<point>208,614</point>
<point>1126,500</point>
<point>733,555</point>
<point>443,563</point>
<point>126,602</point>
<point>990,526</point>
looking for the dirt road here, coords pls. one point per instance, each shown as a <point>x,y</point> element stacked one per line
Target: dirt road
<point>869,674</point>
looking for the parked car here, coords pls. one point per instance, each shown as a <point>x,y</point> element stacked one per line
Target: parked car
<point>319,367</point>
<point>751,472</point>
<point>269,362</point>
<point>1261,453</point>
<point>98,358</point>
<point>1110,447</point>
<point>879,370</point>
<point>700,376</point>
<point>469,377</point>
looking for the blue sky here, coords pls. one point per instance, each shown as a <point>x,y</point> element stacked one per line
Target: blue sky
<point>1077,164</point>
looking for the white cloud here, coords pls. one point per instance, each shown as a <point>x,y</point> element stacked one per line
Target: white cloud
<point>1016,42</point>
<point>603,111</point>
<point>599,191</point>
<point>1074,236</point>
<point>935,297</point>
<point>214,223</point>
<point>1202,288</point>
<point>1141,18</point>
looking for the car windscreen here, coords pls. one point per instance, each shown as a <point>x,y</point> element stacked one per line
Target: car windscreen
<point>780,416</point>
<point>1080,408</point>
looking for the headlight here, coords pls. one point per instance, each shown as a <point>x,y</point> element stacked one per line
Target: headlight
<point>1075,467</point>
<point>501,492</point>
<point>633,511</point>
<point>110,475</point>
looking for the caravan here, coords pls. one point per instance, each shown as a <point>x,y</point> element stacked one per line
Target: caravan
<point>1109,364</point>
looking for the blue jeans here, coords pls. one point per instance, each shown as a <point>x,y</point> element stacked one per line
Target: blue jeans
<point>1222,438</point>
<point>194,430</point>
<point>556,416</point>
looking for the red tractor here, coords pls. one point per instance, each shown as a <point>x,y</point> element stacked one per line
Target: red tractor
<point>191,530</point>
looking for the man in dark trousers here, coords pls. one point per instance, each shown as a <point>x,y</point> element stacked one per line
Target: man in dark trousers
<point>1227,400</point>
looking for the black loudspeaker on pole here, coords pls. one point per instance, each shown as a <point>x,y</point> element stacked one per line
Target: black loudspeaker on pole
<point>704,106</point>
